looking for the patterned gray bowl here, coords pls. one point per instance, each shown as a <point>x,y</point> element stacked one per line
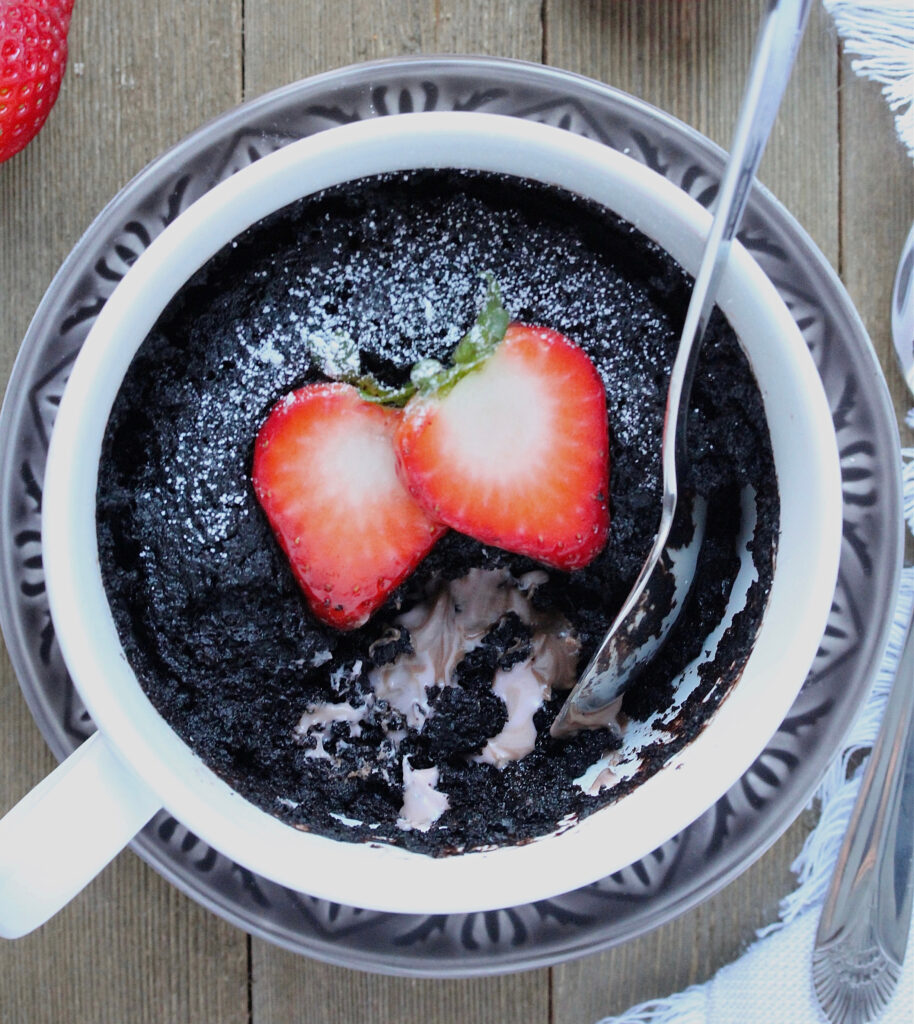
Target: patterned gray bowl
<point>748,818</point>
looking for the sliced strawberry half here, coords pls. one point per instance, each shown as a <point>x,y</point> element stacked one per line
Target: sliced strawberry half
<point>325,474</point>
<point>516,452</point>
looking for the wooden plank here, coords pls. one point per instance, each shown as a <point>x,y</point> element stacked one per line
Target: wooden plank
<point>285,41</point>
<point>314,38</point>
<point>691,58</point>
<point>877,193</point>
<point>133,88</point>
<point>286,987</point>
<point>131,948</point>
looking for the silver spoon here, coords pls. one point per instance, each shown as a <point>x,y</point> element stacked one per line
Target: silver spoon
<point>652,607</point>
<point>863,931</point>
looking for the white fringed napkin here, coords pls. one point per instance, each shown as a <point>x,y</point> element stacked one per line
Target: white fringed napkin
<point>880,33</point>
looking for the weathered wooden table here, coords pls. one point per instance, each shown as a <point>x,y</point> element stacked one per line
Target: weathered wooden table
<point>131,948</point>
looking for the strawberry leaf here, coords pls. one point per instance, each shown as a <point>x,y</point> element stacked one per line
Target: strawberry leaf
<point>475,346</point>
<point>488,330</point>
<point>372,390</point>
<point>428,376</point>
<point>338,356</point>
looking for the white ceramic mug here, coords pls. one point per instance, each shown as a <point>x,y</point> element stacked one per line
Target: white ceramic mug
<point>70,826</point>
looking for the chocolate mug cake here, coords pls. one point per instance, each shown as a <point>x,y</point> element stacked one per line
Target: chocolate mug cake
<point>427,725</point>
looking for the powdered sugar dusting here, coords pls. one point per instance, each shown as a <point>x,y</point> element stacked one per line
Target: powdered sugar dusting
<point>380,292</point>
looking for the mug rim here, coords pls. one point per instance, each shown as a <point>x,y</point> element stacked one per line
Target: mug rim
<point>88,637</point>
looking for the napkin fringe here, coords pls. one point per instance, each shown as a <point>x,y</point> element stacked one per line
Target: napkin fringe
<point>687,1007</point>
<point>881,33</point>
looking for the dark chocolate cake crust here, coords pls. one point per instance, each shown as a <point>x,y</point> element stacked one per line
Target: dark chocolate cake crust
<point>207,608</point>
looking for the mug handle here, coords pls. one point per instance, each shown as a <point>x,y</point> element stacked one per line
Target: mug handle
<point>62,833</point>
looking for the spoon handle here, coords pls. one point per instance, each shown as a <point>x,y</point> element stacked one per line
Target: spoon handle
<point>863,930</point>
<point>775,52</point>
<point>629,644</point>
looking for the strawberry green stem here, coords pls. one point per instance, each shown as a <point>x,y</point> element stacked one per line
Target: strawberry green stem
<point>428,376</point>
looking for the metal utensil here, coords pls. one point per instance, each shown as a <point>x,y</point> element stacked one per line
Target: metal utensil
<point>903,310</point>
<point>863,931</point>
<point>654,604</point>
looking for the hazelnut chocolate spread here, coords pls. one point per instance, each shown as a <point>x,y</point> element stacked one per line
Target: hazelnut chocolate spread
<point>427,727</point>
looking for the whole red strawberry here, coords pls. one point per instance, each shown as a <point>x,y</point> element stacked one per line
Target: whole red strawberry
<point>33,56</point>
